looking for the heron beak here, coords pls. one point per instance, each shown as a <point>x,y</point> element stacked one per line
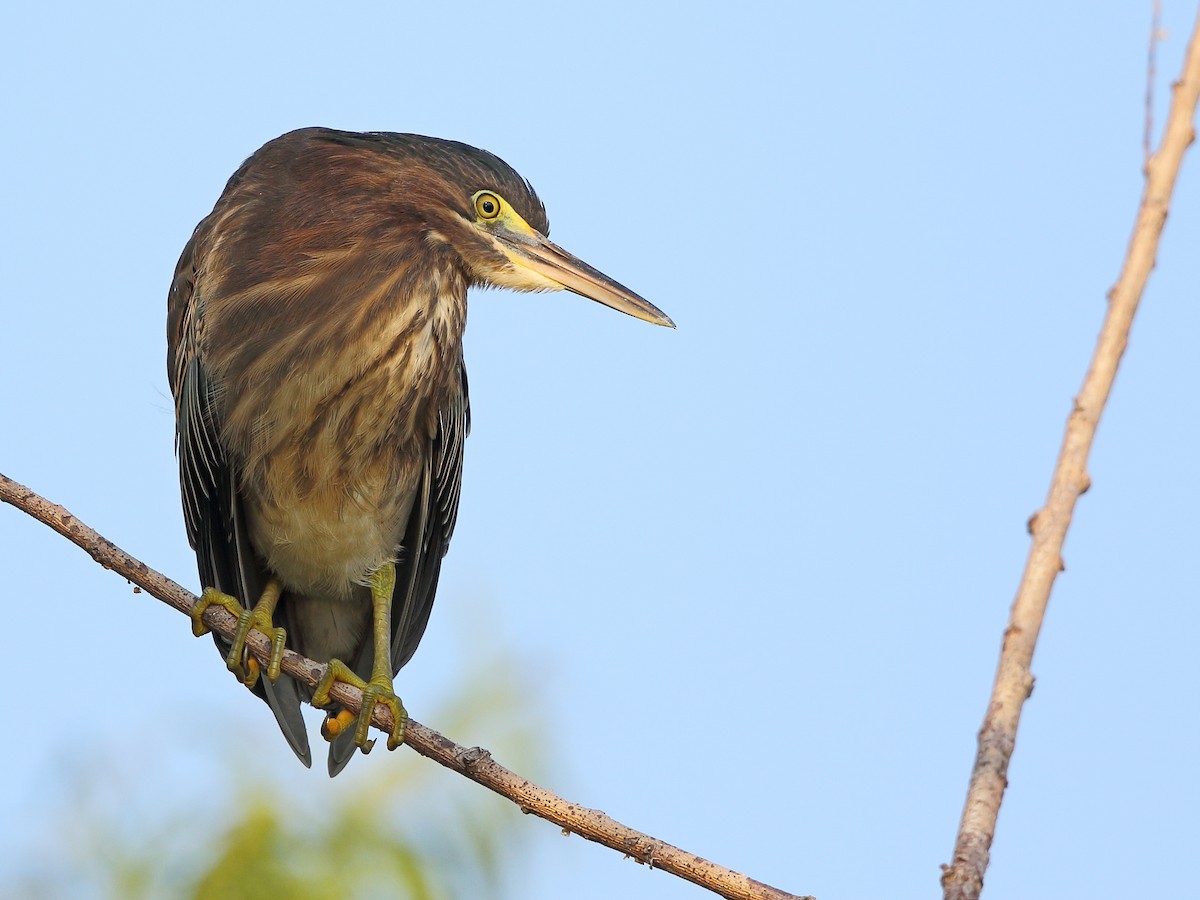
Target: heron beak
<point>542,257</point>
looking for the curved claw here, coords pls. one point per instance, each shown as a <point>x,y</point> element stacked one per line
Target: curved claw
<point>381,693</point>
<point>375,691</point>
<point>211,597</point>
<point>238,661</point>
<point>244,665</point>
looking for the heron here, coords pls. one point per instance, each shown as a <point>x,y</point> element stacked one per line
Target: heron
<point>314,331</point>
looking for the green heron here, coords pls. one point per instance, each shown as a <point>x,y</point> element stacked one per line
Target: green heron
<point>314,335</point>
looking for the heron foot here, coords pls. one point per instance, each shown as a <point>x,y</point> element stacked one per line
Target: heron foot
<point>378,690</point>
<point>240,662</point>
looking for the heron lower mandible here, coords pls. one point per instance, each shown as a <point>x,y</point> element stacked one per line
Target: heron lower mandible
<point>315,354</point>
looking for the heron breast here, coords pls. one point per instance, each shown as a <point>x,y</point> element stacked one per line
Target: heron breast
<point>327,540</point>
<point>333,439</point>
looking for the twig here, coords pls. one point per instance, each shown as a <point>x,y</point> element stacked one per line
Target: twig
<point>963,879</point>
<point>475,763</point>
<point>1151,77</point>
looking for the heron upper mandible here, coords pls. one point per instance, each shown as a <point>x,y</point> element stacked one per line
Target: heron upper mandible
<point>314,335</point>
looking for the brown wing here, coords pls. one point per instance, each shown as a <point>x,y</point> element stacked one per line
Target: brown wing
<point>430,527</point>
<point>212,507</point>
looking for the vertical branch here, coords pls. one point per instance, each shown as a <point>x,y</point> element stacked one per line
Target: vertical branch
<point>963,879</point>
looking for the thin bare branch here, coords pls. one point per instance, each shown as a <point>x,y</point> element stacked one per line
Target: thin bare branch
<point>963,879</point>
<point>1151,77</point>
<point>475,763</point>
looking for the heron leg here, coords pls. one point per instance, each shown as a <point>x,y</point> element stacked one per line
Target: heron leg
<point>241,663</point>
<point>380,688</point>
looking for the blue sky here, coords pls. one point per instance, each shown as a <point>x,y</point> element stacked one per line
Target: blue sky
<point>758,567</point>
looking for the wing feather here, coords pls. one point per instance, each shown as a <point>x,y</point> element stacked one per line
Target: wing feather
<point>213,513</point>
<point>431,526</point>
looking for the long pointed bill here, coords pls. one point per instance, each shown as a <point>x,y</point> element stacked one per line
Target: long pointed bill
<point>545,258</point>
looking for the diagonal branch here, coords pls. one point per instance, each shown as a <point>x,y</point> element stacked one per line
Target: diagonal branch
<point>475,763</point>
<point>963,879</point>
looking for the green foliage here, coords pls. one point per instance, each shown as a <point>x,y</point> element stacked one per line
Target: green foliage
<point>214,821</point>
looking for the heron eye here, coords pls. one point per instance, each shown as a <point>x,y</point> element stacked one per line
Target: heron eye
<point>487,206</point>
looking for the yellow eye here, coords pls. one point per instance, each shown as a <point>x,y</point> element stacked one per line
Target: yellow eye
<point>487,205</point>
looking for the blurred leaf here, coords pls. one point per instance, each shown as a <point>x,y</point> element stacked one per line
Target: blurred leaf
<point>407,829</point>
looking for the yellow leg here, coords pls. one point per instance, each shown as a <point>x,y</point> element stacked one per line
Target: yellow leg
<point>379,689</point>
<point>239,661</point>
